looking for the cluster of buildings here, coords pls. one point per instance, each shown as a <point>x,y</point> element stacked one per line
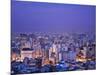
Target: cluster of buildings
<point>53,47</point>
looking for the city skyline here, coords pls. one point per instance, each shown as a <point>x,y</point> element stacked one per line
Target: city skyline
<point>51,37</point>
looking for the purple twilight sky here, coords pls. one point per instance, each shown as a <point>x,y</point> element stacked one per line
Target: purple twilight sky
<point>52,17</point>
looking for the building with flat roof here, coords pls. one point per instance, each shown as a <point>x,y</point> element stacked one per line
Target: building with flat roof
<point>26,52</point>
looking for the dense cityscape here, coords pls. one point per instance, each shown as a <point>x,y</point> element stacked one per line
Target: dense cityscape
<point>52,52</point>
<point>52,37</point>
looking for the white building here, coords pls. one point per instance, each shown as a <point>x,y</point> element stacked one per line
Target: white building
<point>26,52</point>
